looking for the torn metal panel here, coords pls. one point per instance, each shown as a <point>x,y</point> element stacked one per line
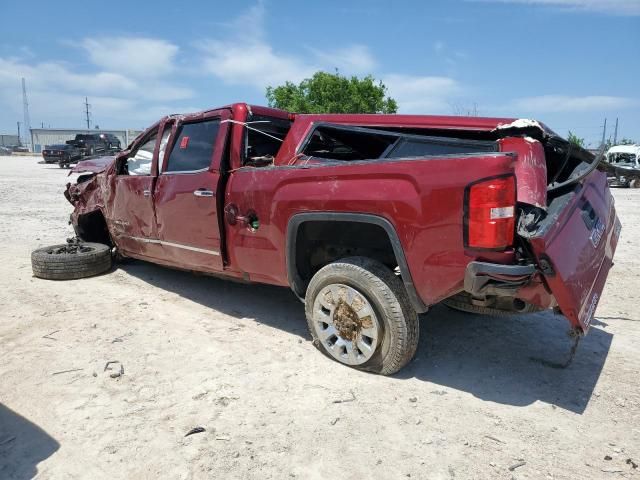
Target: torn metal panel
<point>530,168</point>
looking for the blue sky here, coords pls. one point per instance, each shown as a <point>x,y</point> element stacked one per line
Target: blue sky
<point>569,63</point>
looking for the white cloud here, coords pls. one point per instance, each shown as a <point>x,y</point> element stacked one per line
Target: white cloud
<point>141,57</point>
<point>249,58</point>
<point>565,103</point>
<point>121,85</point>
<point>422,94</point>
<point>253,63</point>
<point>618,7</point>
<point>351,59</point>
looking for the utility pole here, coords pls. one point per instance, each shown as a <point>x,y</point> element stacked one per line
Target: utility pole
<point>87,112</point>
<point>604,131</point>
<point>615,133</point>
<point>25,108</point>
<point>19,139</point>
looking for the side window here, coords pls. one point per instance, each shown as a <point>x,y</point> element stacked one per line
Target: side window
<point>140,162</point>
<point>193,147</point>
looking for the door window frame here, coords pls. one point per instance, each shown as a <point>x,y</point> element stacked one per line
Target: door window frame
<point>218,146</point>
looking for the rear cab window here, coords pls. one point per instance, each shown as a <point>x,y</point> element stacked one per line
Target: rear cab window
<point>192,149</point>
<point>263,138</point>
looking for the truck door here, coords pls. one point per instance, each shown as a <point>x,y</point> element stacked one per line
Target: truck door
<point>132,216</point>
<point>185,195</point>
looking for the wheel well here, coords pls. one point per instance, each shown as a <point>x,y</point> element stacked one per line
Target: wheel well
<point>315,239</point>
<point>319,243</point>
<point>92,227</point>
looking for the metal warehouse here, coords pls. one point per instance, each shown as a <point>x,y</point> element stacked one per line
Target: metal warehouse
<point>51,136</point>
<point>9,139</point>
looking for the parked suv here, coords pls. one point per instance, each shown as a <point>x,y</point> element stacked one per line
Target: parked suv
<point>369,219</point>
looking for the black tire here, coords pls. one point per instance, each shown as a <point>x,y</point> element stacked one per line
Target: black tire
<point>635,183</point>
<point>57,262</point>
<point>462,303</point>
<point>388,297</point>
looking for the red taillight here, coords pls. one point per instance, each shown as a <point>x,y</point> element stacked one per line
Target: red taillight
<point>491,213</point>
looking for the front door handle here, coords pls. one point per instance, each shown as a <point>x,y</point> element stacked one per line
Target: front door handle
<point>146,193</point>
<point>201,192</point>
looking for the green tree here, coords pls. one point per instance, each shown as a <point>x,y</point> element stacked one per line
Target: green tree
<point>573,138</point>
<point>332,93</point>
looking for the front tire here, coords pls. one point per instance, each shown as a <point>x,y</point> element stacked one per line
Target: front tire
<point>359,314</point>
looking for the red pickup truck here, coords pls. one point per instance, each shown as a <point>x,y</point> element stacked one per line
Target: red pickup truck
<point>369,219</point>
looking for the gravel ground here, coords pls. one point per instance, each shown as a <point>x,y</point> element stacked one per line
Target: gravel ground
<point>237,360</point>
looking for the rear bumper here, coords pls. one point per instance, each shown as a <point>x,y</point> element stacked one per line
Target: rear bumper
<point>482,278</point>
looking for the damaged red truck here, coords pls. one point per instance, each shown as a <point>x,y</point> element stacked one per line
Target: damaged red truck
<point>369,219</point>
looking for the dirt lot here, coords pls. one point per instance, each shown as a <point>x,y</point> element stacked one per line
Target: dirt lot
<point>236,360</point>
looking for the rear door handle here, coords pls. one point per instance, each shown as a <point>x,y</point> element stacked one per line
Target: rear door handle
<point>146,193</point>
<point>201,192</point>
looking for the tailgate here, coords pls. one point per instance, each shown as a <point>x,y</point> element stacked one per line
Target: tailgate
<point>575,245</point>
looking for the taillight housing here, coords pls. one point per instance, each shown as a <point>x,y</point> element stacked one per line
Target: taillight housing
<point>490,213</point>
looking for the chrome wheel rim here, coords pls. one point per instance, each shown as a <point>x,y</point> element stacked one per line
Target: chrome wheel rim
<point>346,324</point>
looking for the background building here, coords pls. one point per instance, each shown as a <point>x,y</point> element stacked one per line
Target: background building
<point>51,136</point>
<point>9,139</point>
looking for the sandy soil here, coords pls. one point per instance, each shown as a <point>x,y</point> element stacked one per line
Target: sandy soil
<point>236,360</point>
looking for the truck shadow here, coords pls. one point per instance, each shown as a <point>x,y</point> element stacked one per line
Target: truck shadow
<point>23,446</point>
<point>493,358</point>
<point>277,307</point>
<point>502,359</point>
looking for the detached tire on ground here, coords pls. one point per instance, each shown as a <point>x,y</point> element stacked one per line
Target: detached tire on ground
<point>71,261</point>
<point>359,314</point>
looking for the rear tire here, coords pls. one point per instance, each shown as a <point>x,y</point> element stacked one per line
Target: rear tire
<point>359,314</point>
<point>71,261</point>
<point>635,183</point>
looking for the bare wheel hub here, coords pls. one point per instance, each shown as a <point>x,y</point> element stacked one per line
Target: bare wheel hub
<point>346,324</point>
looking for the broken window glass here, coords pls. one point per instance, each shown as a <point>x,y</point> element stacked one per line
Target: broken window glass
<point>341,142</point>
<point>263,137</point>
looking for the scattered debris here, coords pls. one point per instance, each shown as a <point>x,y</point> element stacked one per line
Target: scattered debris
<point>517,465</point>
<point>346,400</point>
<point>611,470</point>
<point>226,439</point>
<point>195,430</point>
<point>413,399</point>
<point>633,464</point>
<point>68,371</point>
<point>333,422</point>
<point>49,337</point>
<point>117,373</point>
<point>608,457</point>
<point>438,392</point>
<point>495,439</point>
<point>236,455</point>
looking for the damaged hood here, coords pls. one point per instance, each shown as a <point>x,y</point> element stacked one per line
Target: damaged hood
<point>94,165</point>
